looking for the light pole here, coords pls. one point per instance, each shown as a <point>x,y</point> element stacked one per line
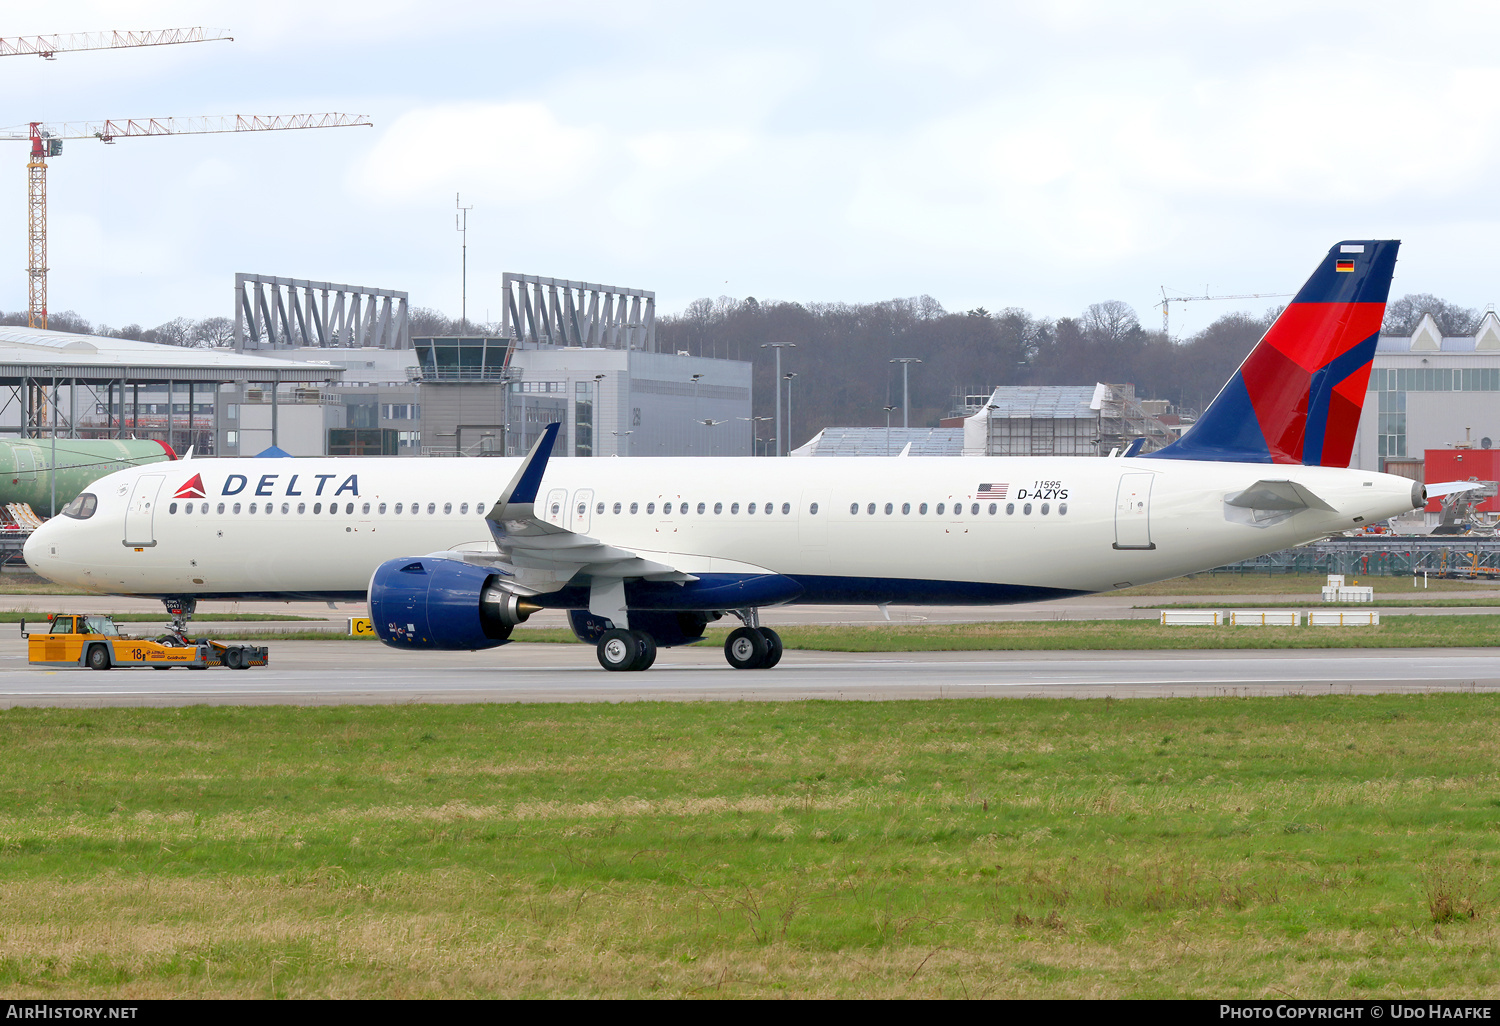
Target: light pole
<point>778,346</point>
<point>790,375</point>
<point>696,377</point>
<point>463,229</point>
<point>598,430</point>
<point>888,411</point>
<point>905,362</point>
<point>755,449</point>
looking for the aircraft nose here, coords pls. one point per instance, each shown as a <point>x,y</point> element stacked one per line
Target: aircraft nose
<point>36,546</point>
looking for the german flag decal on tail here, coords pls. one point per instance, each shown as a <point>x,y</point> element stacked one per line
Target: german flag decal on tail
<point>1298,395</point>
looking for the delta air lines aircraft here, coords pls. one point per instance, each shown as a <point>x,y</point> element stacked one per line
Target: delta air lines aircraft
<point>645,552</point>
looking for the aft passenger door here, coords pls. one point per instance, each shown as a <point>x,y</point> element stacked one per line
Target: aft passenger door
<point>140,515</point>
<point>1133,512</point>
<point>557,501</point>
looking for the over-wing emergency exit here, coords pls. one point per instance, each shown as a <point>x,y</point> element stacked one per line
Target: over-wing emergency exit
<point>644,553</point>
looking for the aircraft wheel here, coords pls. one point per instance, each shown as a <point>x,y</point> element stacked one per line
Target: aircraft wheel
<point>745,648</point>
<point>232,658</point>
<point>645,653</point>
<point>98,657</point>
<point>773,648</point>
<point>618,650</point>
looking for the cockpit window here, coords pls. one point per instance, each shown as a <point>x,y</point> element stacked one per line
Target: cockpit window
<point>82,507</point>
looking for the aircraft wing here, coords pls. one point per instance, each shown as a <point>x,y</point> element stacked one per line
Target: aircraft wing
<point>540,556</point>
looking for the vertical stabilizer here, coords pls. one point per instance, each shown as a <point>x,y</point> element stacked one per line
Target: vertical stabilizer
<point>1298,395</point>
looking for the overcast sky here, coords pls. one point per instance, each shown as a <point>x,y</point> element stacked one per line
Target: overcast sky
<point>1037,155</point>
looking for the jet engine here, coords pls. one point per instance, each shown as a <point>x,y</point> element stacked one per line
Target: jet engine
<point>443,604</point>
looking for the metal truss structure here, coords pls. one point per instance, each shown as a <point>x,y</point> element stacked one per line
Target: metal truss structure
<point>266,317</point>
<point>63,42</point>
<point>555,312</point>
<point>1383,556</point>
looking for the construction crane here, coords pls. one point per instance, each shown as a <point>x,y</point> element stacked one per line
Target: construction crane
<point>49,46</point>
<point>46,141</point>
<point>1166,299</point>
<point>63,42</point>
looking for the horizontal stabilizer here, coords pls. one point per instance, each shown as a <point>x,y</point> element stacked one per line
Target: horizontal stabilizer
<point>1449,487</point>
<point>1278,495</point>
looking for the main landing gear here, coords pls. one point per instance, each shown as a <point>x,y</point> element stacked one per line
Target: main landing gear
<point>752,647</point>
<point>626,650</point>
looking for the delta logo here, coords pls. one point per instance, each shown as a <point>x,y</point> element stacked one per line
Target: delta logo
<point>193,489</point>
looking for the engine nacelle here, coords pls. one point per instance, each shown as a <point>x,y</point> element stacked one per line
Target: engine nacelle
<point>442,604</point>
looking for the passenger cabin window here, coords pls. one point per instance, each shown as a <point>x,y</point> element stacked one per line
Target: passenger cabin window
<point>1010,509</point>
<point>701,507</point>
<point>650,507</point>
<point>82,507</point>
<point>1046,508</point>
<point>398,507</point>
<point>301,507</point>
<point>813,509</point>
<point>431,508</point>
<point>236,507</point>
<point>221,508</point>
<point>718,507</point>
<point>447,508</point>
<point>366,507</point>
<point>381,508</point>
<point>906,509</point>
<point>994,508</point>
<point>854,509</point>
<point>870,509</point>
<point>617,509</point>
<point>1026,510</point>
<point>940,509</point>
<point>922,509</point>
<point>317,507</point>
<point>974,510</point>
<point>172,508</point>
<point>770,508</point>
<point>1062,509</point>
<point>750,508</point>
<point>633,507</point>
<point>597,509</point>
<point>786,508</point>
<point>889,509</point>
<point>734,507</point>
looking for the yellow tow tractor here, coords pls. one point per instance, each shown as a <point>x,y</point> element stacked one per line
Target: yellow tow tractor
<point>95,642</point>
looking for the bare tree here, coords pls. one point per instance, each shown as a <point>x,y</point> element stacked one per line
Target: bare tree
<point>1403,316</point>
<point>1112,320</point>
<point>213,332</point>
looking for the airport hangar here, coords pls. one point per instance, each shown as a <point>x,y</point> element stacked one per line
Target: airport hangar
<point>94,386</point>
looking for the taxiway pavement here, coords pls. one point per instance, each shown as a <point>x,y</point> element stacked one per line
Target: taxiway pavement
<point>365,672</point>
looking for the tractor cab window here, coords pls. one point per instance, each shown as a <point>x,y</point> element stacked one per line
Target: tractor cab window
<point>82,507</point>
<point>62,625</point>
<point>100,625</point>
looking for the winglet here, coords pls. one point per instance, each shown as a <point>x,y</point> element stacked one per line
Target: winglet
<point>516,502</point>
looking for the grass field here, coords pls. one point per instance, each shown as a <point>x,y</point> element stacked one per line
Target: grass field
<point>1308,847</point>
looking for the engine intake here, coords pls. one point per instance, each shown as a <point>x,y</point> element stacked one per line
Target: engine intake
<point>443,604</point>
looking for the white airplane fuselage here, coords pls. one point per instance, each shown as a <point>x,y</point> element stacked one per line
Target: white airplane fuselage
<point>1043,526</point>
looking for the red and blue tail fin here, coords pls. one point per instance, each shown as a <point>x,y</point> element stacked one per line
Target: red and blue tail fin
<point>1298,395</point>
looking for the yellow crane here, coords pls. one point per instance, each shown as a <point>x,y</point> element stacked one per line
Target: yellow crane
<point>42,147</point>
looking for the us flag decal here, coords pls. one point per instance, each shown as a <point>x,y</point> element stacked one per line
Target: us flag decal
<point>992,491</point>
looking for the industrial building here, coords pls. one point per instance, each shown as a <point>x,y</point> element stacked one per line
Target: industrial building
<point>575,352</point>
<point>1429,392</point>
<point>93,386</point>
<point>1060,420</point>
